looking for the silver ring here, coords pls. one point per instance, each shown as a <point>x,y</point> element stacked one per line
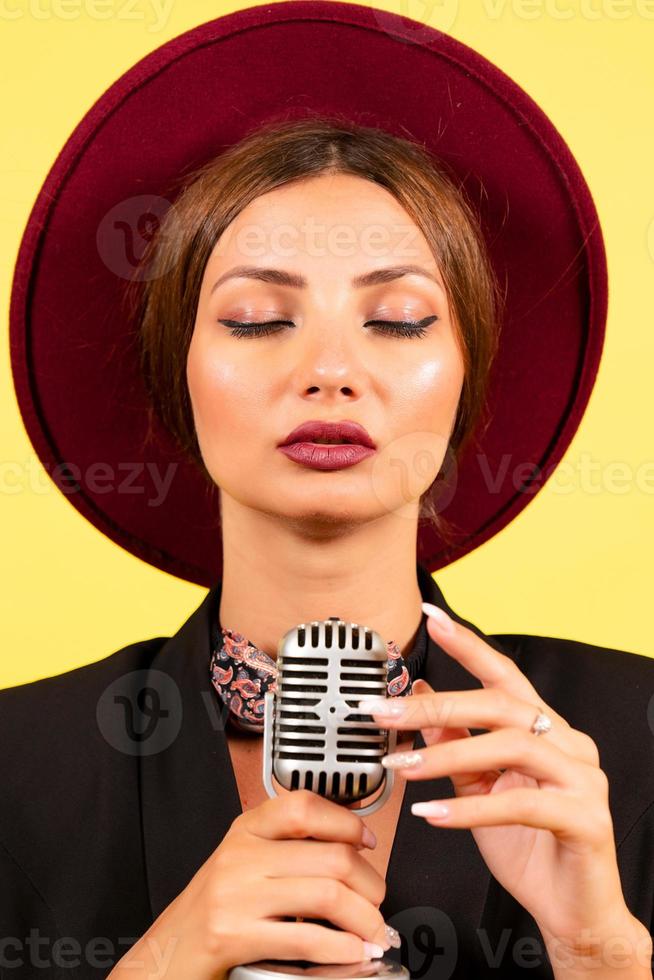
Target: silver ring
<point>542,723</point>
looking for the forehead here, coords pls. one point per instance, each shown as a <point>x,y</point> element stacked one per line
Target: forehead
<point>331,218</point>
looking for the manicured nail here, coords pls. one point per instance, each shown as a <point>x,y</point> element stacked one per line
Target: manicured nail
<point>393,937</point>
<point>369,838</point>
<point>401,760</point>
<point>430,808</point>
<point>372,950</point>
<point>439,616</point>
<point>390,707</point>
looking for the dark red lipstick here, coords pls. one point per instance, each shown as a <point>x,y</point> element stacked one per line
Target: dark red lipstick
<point>328,445</point>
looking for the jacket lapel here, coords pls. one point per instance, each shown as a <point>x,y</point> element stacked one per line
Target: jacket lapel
<point>450,877</point>
<point>189,795</point>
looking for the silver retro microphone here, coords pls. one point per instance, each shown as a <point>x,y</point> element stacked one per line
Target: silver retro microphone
<point>316,737</point>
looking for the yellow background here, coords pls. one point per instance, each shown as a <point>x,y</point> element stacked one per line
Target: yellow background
<point>577,562</point>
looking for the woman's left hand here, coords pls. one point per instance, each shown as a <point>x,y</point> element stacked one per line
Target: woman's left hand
<point>543,824</point>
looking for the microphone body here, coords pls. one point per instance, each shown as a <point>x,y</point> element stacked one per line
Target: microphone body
<point>315,734</point>
<point>316,737</point>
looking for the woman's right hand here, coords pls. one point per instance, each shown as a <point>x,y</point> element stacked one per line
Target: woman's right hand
<point>266,868</point>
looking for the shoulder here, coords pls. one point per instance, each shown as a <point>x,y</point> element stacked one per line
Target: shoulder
<point>43,705</point>
<point>608,694</point>
<point>590,683</point>
<point>567,667</point>
<point>69,796</point>
<point>50,737</point>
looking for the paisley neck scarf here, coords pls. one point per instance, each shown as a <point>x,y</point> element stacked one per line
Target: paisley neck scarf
<point>241,673</point>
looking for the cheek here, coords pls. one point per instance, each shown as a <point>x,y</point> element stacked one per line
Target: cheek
<point>218,392</point>
<point>423,417</point>
<point>432,387</point>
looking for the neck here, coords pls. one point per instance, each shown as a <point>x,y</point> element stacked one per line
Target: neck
<point>364,573</point>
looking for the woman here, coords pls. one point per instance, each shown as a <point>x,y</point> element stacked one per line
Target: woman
<point>290,316</point>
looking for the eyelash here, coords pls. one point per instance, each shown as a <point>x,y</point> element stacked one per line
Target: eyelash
<point>402,328</point>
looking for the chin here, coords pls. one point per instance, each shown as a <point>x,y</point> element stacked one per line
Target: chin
<point>337,518</point>
<point>321,526</point>
<point>315,509</point>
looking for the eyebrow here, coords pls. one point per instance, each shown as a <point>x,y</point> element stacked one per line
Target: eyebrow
<point>279,277</point>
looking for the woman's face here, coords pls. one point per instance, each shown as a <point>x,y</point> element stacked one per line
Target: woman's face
<point>325,361</point>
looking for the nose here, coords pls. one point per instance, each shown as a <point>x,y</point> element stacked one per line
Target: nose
<point>328,363</point>
<point>330,380</point>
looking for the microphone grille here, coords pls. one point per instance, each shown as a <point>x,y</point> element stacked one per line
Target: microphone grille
<point>321,740</point>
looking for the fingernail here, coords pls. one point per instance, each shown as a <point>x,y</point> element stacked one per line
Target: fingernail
<point>439,616</point>
<point>390,707</point>
<point>369,838</point>
<point>393,937</point>
<point>401,760</point>
<point>372,950</point>
<point>430,808</point>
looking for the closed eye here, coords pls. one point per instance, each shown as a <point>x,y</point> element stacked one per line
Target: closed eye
<point>403,328</point>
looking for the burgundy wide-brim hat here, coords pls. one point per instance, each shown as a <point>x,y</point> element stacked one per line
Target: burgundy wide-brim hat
<point>74,352</point>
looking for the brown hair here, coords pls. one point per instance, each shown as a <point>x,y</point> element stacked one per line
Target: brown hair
<point>163,303</point>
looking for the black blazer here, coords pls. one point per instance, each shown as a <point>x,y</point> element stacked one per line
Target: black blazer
<point>117,785</point>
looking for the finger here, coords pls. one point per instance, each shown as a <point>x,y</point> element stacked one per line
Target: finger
<point>307,941</point>
<point>479,708</point>
<point>334,860</point>
<point>509,748</point>
<point>492,668</point>
<point>571,819</point>
<point>303,813</point>
<point>324,898</point>
<point>436,734</point>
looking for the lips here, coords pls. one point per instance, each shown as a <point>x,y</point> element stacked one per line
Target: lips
<point>336,433</point>
<point>319,457</point>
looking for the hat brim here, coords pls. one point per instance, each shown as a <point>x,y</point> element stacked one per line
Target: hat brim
<point>74,358</point>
